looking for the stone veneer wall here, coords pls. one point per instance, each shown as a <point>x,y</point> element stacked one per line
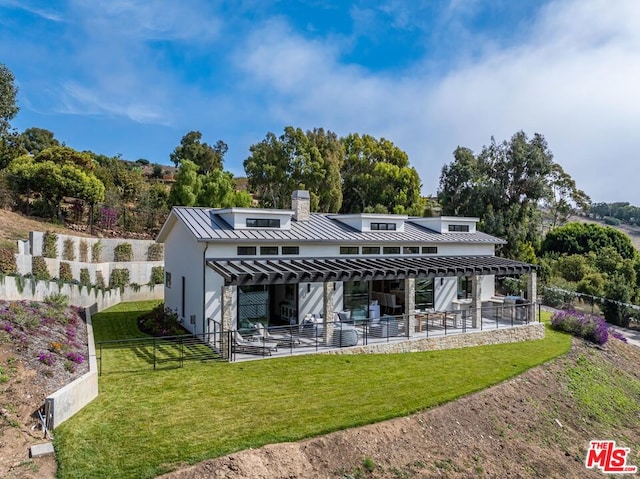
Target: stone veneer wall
<point>527,332</point>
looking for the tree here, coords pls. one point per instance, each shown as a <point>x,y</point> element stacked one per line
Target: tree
<point>184,191</point>
<point>53,181</point>
<point>218,190</point>
<point>297,160</point>
<point>583,238</point>
<point>8,93</point>
<point>503,186</point>
<point>10,142</point>
<point>206,157</point>
<point>36,140</point>
<point>376,172</point>
<point>618,294</point>
<point>565,198</point>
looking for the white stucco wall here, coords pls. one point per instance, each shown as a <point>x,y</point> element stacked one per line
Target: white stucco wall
<point>314,250</point>
<point>184,259</point>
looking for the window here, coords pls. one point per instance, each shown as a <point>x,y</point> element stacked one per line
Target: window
<point>464,287</point>
<point>253,306</point>
<point>410,250</point>
<point>291,250</point>
<point>246,250</point>
<point>429,250</point>
<point>383,226</point>
<point>167,279</point>
<point>355,298</point>
<point>371,250</point>
<point>424,293</point>
<point>269,250</point>
<point>263,223</point>
<point>459,228</point>
<point>391,250</point>
<point>349,250</point>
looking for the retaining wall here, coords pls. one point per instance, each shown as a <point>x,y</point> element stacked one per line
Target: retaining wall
<point>67,401</point>
<point>139,248</point>
<point>527,332</point>
<point>78,295</point>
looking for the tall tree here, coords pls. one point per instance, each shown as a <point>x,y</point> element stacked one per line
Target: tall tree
<point>8,92</point>
<point>297,160</point>
<point>565,199</point>
<point>206,157</point>
<point>376,172</point>
<point>10,142</point>
<point>36,140</point>
<point>503,186</point>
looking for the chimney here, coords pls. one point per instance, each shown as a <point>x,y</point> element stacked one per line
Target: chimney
<point>301,205</point>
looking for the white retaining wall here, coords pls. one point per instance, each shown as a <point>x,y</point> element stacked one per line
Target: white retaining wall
<point>78,296</point>
<point>67,401</point>
<point>140,248</point>
<point>139,268</point>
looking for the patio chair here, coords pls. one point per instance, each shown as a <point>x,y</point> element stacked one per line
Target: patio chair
<point>393,307</point>
<point>243,345</point>
<point>384,327</point>
<point>281,338</point>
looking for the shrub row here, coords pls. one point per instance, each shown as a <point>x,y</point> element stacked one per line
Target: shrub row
<point>591,328</point>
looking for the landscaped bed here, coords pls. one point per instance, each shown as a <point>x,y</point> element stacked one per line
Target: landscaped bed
<point>146,422</point>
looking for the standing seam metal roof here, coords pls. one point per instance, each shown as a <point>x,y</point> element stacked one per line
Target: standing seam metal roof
<point>206,225</point>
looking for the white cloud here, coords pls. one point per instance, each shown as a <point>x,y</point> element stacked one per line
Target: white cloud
<point>573,79</point>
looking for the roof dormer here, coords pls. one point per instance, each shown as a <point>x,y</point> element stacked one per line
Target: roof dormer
<point>448,224</point>
<point>256,219</point>
<point>372,222</point>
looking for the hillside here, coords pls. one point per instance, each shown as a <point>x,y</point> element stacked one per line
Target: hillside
<point>537,425</point>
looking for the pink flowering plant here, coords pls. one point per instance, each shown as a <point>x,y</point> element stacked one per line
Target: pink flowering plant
<point>591,328</point>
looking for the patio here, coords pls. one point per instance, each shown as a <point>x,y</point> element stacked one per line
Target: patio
<point>368,335</point>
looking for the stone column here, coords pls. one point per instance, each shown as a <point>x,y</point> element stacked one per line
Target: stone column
<point>532,294</point>
<point>226,310</point>
<point>328,293</point>
<point>410,304</point>
<point>476,301</point>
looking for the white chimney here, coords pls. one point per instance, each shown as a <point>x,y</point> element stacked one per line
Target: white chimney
<point>301,205</point>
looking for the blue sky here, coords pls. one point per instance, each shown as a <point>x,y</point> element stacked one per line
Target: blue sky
<point>132,77</point>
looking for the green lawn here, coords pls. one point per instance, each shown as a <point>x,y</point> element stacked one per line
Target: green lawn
<point>147,422</point>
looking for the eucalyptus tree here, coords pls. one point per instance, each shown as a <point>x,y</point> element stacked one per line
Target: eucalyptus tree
<point>376,172</point>
<point>297,160</point>
<point>504,185</point>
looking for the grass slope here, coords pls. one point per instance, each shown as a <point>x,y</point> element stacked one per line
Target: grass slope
<point>145,423</point>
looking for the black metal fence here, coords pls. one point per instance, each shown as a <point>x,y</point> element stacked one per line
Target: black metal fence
<point>135,354</point>
<point>310,336</point>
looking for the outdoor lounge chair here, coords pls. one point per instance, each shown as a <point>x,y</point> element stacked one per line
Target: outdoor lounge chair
<point>280,338</point>
<point>243,345</point>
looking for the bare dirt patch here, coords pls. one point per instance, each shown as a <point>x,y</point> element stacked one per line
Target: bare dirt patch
<point>527,427</point>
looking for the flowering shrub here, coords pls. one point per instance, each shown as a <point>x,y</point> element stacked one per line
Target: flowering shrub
<point>619,336</point>
<point>591,328</point>
<point>47,358</point>
<point>75,357</point>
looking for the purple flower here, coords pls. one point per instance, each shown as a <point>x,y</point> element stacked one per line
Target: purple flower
<point>47,358</point>
<point>591,328</point>
<point>75,357</point>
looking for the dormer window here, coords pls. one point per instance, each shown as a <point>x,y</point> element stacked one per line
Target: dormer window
<point>263,223</point>
<point>459,228</point>
<point>383,226</point>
